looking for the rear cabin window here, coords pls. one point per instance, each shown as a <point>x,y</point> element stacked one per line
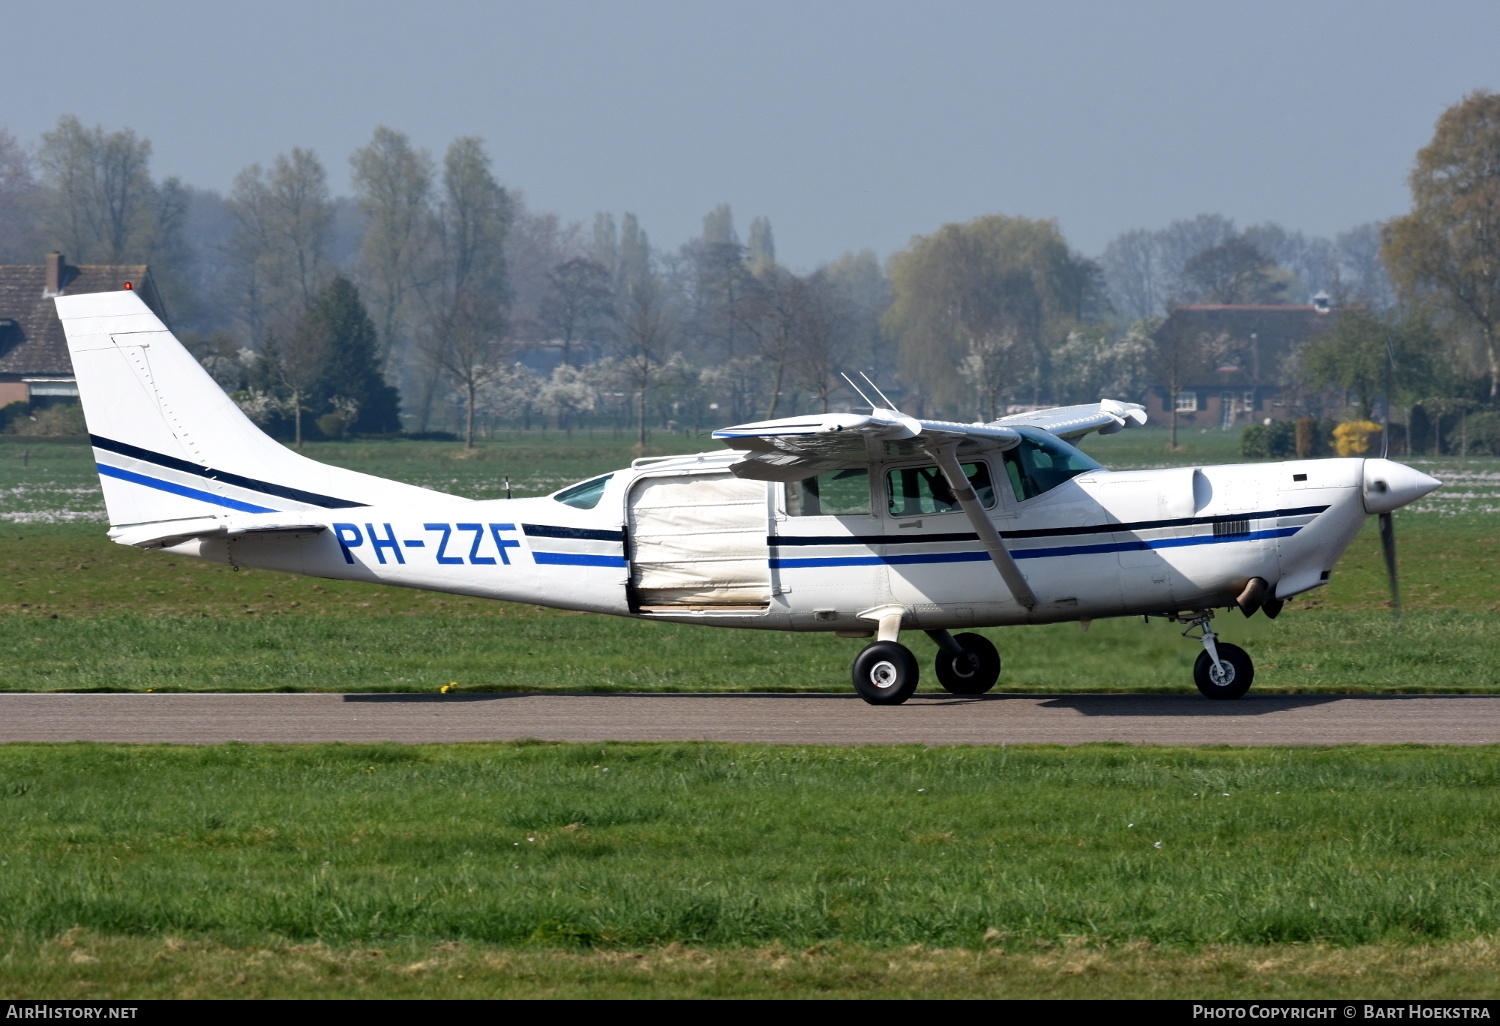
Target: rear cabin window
<point>840,493</point>
<point>1042,462</point>
<point>916,490</point>
<point>584,495</point>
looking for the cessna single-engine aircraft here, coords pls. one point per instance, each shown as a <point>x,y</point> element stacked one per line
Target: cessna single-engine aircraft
<point>858,524</point>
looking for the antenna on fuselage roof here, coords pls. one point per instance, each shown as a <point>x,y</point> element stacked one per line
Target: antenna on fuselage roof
<point>857,388</point>
<point>888,404</point>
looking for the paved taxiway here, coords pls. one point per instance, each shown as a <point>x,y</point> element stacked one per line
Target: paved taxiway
<point>772,719</point>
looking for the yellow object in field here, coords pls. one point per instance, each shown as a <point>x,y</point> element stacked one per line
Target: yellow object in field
<point>1355,438</point>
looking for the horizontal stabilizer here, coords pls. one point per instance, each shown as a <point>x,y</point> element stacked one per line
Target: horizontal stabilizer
<point>174,532</point>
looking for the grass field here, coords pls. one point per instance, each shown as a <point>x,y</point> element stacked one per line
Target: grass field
<point>702,869</point>
<point>85,614</point>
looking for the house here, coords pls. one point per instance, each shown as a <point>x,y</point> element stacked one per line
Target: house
<point>34,362</point>
<point>1241,357</point>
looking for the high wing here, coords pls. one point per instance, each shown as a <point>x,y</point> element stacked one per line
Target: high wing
<point>795,448</point>
<point>1106,417</point>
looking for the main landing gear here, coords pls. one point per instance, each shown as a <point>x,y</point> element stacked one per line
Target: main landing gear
<point>1223,670</point>
<point>886,672</point>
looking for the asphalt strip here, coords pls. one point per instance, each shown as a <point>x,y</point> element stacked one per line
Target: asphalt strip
<point>764,719</point>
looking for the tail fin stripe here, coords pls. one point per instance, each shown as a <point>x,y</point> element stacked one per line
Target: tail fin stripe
<point>239,481</point>
<point>177,489</point>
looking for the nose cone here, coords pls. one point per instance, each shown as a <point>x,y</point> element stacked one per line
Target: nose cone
<point>1389,485</point>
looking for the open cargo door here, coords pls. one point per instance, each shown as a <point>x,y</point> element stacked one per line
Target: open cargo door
<point>698,541</point>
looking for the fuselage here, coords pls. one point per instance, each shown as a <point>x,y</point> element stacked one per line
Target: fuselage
<point>682,539</point>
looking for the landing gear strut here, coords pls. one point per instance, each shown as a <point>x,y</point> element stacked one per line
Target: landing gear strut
<point>1222,670</point>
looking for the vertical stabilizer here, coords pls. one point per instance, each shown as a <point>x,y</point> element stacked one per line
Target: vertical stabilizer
<point>171,445</point>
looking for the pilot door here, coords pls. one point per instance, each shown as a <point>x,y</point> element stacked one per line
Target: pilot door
<point>698,542</point>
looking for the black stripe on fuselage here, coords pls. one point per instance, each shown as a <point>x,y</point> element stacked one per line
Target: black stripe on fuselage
<point>786,541</point>
<point>209,473</point>
<point>584,533</point>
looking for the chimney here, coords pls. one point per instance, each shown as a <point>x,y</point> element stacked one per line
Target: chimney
<point>54,273</point>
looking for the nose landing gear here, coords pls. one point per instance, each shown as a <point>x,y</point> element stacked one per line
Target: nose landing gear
<point>1222,671</point>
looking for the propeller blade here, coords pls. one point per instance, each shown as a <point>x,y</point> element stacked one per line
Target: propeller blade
<point>1388,545</point>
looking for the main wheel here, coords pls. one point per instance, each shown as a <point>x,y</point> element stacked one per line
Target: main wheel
<point>1235,679</point>
<point>885,673</point>
<point>972,673</point>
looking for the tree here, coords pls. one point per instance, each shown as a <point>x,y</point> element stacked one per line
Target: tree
<point>996,291</point>
<point>825,337</point>
<point>1234,272</point>
<point>339,330</point>
<point>1366,353</point>
<point>283,218</point>
<point>1447,249</point>
<point>577,305</point>
<point>101,203</point>
<point>1362,276</point>
<point>646,323</point>
<point>20,200</point>
<point>393,183</point>
<point>464,335</point>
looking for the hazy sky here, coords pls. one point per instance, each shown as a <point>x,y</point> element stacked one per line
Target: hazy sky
<point>849,125</point>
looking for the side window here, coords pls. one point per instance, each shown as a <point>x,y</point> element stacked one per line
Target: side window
<point>912,491</point>
<point>1042,462</point>
<point>842,492</point>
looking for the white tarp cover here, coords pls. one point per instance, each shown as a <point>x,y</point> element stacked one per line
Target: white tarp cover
<point>699,540</point>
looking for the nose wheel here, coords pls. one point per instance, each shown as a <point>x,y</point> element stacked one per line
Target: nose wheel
<point>1222,670</point>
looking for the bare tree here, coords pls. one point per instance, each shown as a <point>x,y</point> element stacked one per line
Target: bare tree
<point>282,222</point>
<point>577,305</point>
<point>646,331</point>
<point>20,201</point>
<point>394,186</point>
<point>464,332</point>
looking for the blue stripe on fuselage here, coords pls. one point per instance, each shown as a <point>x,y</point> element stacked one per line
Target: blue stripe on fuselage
<point>576,559</point>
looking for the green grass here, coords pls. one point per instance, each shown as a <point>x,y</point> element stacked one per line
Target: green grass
<point>80,613</point>
<point>339,867</point>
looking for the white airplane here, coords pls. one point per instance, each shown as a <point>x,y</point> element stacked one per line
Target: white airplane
<point>860,525</point>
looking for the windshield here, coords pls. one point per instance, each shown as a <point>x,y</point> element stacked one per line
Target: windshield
<point>584,495</point>
<point>1042,462</point>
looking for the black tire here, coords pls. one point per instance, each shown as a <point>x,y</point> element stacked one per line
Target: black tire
<point>885,673</point>
<point>972,673</point>
<point>1241,673</point>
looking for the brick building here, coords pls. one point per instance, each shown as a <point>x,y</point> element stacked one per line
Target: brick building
<point>1251,379</point>
<point>34,362</point>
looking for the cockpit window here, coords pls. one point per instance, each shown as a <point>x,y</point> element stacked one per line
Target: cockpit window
<point>841,492</point>
<point>916,490</point>
<point>584,495</point>
<point>1042,462</point>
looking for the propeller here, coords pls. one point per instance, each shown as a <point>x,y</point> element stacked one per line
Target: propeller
<point>1388,518</point>
<point>1388,546</point>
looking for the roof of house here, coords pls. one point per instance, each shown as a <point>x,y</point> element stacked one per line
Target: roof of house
<point>31,336</point>
<point>1260,338</point>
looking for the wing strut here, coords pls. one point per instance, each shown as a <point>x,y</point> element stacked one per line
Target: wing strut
<point>947,459</point>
